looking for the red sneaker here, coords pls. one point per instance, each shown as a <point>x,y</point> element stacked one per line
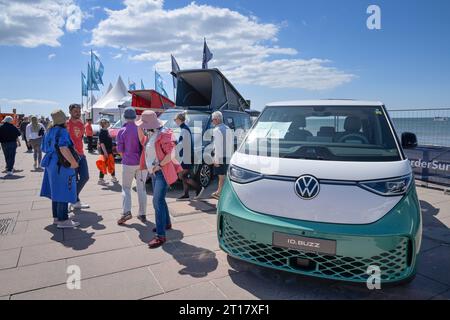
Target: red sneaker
<point>124,218</point>
<point>156,242</point>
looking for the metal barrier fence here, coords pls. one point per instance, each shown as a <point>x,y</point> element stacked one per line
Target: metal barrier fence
<point>431,126</point>
<point>431,160</point>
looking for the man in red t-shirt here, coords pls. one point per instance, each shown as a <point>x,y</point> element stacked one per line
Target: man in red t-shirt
<point>89,134</point>
<point>76,131</point>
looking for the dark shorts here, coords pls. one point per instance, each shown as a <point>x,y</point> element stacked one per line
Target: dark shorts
<point>221,170</point>
<point>186,166</point>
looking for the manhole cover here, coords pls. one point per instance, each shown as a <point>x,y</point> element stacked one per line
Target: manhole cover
<point>5,225</point>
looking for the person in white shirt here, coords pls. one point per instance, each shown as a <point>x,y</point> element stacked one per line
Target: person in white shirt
<point>34,133</point>
<point>223,143</point>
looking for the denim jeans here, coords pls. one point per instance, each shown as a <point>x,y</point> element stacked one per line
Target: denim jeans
<point>60,210</point>
<point>9,151</point>
<point>82,174</point>
<point>162,216</point>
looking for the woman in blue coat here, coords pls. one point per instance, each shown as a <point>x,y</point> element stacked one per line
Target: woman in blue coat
<point>59,182</point>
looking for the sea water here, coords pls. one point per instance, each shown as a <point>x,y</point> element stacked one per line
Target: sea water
<point>429,131</point>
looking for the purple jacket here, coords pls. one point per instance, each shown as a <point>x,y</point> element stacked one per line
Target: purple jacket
<point>128,144</point>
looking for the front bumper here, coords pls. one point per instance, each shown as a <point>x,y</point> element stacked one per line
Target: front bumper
<point>391,243</point>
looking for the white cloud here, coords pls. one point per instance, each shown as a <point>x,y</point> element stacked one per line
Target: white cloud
<point>32,23</point>
<point>313,74</point>
<point>91,13</point>
<point>118,56</point>
<point>245,49</point>
<point>74,18</point>
<point>88,53</point>
<point>51,56</point>
<point>27,102</point>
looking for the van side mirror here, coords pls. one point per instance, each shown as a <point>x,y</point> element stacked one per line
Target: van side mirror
<point>409,140</point>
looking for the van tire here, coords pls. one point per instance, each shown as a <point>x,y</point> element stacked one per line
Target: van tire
<point>204,175</point>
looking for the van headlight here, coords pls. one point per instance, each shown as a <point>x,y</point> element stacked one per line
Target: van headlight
<point>389,187</point>
<point>240,175</point>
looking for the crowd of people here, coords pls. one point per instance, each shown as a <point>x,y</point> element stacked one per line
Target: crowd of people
<point>31,133</point>
<point>147,149</point>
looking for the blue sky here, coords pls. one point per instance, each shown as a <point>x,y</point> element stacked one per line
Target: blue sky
<point>270,50</point>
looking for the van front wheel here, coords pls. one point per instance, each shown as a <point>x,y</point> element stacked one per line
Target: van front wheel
<point>204,175</point>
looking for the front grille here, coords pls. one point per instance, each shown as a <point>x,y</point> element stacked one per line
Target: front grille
<point>393,264</point>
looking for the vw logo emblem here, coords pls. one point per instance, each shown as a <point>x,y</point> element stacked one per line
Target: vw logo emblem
<point>307,187</point>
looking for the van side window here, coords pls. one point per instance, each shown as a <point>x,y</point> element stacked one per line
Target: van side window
<point>242,121</point>
<point>229,121</point>
<point>246,122</point>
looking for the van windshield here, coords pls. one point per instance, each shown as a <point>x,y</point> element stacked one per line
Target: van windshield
<point>334,133</point>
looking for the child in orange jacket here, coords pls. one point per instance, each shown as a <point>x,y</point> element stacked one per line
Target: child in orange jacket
<point>105,162</point>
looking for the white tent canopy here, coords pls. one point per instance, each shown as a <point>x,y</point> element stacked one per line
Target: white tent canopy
<point>109,89</point>
<point>109,103</point>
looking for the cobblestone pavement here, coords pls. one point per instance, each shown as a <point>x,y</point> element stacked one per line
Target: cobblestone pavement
<point>116,263</point>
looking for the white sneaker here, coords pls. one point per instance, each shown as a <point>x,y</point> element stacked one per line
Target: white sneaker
<point>200,194</point>
<point>101,182</point>
<point>56,221</point>
<point>9,173</point>
<point>114,180</point>
<point>79,205</point>
<point>67,224</point>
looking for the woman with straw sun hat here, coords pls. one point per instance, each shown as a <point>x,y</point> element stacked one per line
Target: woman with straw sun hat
<point>163,168</point>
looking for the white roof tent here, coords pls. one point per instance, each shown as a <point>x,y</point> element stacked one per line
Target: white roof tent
<point>207,90</point>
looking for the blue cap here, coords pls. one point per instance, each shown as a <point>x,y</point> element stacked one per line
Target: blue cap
<point>129,113</point>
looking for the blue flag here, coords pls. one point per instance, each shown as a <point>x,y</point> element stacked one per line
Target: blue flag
<point>91,83</point>
<point>84,88</point>
<point>131,85</point>
<point>207,56</point>
<point>142,85</point>
<point>175,69</point>
<point>159,85</point>
<point>97,69</point>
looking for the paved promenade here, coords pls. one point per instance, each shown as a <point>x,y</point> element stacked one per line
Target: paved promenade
<point>115,261</point>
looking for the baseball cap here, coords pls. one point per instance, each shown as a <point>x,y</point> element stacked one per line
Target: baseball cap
<point>129,113</point>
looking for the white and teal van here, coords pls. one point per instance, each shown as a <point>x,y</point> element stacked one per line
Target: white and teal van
<point>323,188</point>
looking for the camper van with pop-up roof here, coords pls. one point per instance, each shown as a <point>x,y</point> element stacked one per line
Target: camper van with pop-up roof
<point>200,93</point>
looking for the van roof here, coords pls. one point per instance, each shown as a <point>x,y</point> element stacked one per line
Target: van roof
<point>326,102</point>
<point>221,75</point>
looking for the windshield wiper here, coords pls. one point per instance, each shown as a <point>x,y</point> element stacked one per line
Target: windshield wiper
<point>288,156</point>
